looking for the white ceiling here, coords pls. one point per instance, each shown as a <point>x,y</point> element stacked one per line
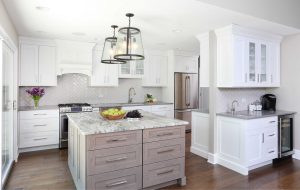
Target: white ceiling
<point>157,20</point>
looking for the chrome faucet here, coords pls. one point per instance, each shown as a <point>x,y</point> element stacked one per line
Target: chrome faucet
<point>233,106</point>
<point>131,93</point>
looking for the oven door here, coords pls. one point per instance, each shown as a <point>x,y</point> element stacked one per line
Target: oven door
<point>63,131</point>
<point>286,135</point>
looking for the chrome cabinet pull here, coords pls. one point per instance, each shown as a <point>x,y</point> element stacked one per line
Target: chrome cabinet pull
<point>272,151</point>
<point>40,125</point>
<point>116,183</point>
<point>39,139</point>
<point>165,151</point>
<point>272,121</point>
<point>39,114</point>
<point>272,135</point>
<point>165,172</point>
<point>263,138</point>
<point>117,140</point>
<point>117,159</point>
<point>164,134</point>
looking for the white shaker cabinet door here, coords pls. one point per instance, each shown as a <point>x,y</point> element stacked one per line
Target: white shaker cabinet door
<point>47,66</point>
<point>29,65</point>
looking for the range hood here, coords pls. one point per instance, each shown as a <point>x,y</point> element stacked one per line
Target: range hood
<point>74,57</point>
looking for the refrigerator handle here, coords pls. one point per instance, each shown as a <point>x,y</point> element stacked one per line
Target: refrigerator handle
<point>185,93</point>
<point>189,90</point>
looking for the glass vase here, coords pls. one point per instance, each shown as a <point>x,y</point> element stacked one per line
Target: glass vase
<point>36,103</point>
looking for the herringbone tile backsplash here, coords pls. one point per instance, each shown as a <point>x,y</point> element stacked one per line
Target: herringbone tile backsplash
<point>74,88</point>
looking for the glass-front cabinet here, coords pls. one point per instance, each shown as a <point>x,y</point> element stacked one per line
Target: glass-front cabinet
<point>132,69</point>
<point>257,64</point>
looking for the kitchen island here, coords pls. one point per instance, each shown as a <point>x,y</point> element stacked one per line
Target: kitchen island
<point>122,154</point>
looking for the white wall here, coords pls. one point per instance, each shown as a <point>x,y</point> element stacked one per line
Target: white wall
<point>289,92</point>
<point>7,25</point>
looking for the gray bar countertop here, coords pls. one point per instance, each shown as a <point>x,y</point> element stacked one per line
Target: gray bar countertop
<point>107,105</point>
<point>31,108</point>
<point>255,114</point>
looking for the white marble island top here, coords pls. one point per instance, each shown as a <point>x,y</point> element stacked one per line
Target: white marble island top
<point>90,123</point>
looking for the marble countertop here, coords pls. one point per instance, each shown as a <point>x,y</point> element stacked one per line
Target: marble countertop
<point>31,108</point>
<point>255,114</point>
<point>107,105</point>
<point>90,123</point>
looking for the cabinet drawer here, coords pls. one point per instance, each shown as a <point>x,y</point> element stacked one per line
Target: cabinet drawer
<point>163,150</point>
<point>114,140</point>
<point>38,139</point>
<point>162,172</point>
<point>151,135</point>
<point>158,108</point>
<point>39,125</point>
<point>111,159</point>
<point>128,179</point>
<point>39,114</point>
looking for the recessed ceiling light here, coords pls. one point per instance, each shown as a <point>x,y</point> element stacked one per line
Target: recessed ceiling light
<point>176,30</point>
<point>78,34</point>
<point>41,8</point>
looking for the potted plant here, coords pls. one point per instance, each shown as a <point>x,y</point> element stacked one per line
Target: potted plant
<point>36,93</point>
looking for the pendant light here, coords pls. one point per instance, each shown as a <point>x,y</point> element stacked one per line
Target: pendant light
<point>129,43</point>
<point>109,50</point>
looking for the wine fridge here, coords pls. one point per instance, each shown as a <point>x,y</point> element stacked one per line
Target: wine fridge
<point>285,135</point>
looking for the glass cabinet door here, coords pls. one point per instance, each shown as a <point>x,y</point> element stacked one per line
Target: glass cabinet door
<point>252,62</point>
<point>139,67</point>
<point>125,68</point>
<point>263,63</point>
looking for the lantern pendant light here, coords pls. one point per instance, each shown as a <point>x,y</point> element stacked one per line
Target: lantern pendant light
<point>129,43</point>
<point>109,50</point>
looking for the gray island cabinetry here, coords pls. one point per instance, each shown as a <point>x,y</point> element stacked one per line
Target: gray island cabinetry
<point>145,154</point>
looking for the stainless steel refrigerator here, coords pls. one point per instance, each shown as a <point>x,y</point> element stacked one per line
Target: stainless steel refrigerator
<point>186,91</point>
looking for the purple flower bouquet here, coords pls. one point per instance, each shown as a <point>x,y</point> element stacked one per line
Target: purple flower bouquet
<point>36,93</point>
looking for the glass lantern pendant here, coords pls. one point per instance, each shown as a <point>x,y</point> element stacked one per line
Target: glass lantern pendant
<point>109,50</point>
<point>129,43</point>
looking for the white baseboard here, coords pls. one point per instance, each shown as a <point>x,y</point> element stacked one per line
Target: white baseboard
<point>38,148</point>
<point>212,158</point>
<point>296,154</point>
<point>199,152</point>
<point>233,166</point>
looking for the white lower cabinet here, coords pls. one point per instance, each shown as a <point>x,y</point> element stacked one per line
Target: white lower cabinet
<point>162,110</point>
<point>247,144</point>
<point>200,134</point>
<point>38,129</point>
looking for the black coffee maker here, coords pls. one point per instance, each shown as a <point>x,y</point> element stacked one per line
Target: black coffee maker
<point>268,102</point>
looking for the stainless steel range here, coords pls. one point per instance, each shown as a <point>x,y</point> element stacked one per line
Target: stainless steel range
<point>63,119</point>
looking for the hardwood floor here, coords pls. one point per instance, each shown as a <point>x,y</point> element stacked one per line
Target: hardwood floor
<point>48,170</point>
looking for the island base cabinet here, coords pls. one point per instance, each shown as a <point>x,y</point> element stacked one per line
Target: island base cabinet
<point>127,179</point>
<point>161,172</point>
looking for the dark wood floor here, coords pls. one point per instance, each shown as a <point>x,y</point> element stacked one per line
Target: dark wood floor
<point>48,170</point>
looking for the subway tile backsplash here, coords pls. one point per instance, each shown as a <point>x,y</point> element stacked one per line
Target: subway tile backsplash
<point>74,88</point>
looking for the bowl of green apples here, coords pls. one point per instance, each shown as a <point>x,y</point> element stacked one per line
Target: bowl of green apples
<point>113,113</point>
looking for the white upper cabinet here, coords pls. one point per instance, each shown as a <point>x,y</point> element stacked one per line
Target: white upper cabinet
<point>103,74</point>
<point>37,63</point>
<point>204,59</point>
<point>132,69</point>
<point>185,62</point>
<point>156,69</point>
<point>247,58</point>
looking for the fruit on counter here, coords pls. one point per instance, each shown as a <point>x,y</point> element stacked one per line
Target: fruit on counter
<point>134,114</point>
<point>113,112</point>
<point>150,98</point>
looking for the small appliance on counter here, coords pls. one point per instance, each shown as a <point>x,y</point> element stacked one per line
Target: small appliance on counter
<point>268,102</point>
